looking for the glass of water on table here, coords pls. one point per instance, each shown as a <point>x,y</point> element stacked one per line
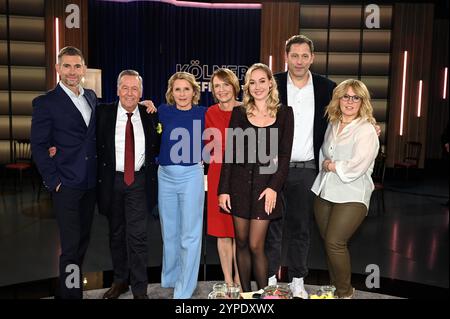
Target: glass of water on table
<point>233,291</point>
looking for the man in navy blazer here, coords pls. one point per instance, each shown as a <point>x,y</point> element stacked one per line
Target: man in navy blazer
<point>127,205</point>
<point>308,94</point>
<point>65,117</point>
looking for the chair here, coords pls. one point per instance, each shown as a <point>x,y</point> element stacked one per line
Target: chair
<point>411,157</point>
<point>22,160</point>
<point>379,169</point>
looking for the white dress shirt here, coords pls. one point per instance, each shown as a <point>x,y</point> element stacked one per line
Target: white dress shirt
<point>302,102</point>
<point>139,138</point>
<point>80,102</point>
<point>353,151</point>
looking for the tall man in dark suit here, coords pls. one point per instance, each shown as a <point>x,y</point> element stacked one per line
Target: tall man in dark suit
<point>127,143</point>
<point>308,94</point>
<point>65,117</point>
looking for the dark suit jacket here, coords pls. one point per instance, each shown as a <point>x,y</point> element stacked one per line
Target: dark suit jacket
<point>106,130</point>
<point>57,122</point>
<point>323,91</point>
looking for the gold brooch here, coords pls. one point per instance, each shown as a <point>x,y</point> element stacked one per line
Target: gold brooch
<point>159,128</point>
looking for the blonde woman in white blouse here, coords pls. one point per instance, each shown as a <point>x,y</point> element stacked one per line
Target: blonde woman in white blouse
<point>344,184</point>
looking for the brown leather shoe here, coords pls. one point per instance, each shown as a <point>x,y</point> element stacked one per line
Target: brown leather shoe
<point>144,296</point>
<point>115,291</point>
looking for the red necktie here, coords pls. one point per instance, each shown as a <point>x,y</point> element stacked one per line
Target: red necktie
<point>128,176</point>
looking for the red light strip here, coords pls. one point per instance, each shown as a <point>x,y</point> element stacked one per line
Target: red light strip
<point>405,60</point>
<point>419,100</point>
<point>444,94</point>
<point>57,44</point>
<point>193,4</point>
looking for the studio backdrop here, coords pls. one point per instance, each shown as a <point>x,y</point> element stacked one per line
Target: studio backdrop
<point>158,39</point>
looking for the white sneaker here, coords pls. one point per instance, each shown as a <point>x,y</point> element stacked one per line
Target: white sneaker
<point>298,288</point>
<point>272,281</point>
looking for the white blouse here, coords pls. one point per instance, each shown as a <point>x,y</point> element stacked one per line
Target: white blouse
<point>353,151</point>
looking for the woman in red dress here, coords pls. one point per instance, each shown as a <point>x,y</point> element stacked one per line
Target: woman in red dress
<point>225,88</point>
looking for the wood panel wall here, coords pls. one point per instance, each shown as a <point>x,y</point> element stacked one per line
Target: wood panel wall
<point>412,32</point>
<point>25,41</point>
<point>279,21</point>
<point>77,37</point>
<point>438,106</point>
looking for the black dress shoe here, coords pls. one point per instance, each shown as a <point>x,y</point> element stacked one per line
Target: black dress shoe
<point>115,291</point>
<point>144,296</point>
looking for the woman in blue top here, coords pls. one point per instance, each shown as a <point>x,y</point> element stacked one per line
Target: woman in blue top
<point>181,186</point>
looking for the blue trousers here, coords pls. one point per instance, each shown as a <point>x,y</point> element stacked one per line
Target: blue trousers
<point>181,198</point>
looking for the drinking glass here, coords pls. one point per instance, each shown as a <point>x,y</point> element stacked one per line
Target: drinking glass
<point>328,291</point>
<point>217,294</point>
<point>220,286</point>
<point>234,291</point>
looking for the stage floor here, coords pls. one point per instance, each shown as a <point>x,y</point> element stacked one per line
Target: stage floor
<point>409,243</point>
<point>155,291</point>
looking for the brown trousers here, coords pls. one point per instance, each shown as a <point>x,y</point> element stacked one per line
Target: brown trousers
<point>337,222</point>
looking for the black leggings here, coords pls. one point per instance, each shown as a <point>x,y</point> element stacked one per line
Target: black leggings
<point>250,235</point>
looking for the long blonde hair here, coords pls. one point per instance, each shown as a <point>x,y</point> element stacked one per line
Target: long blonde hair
<point>273,102</point>
<point>333,110</point>
<point>182,76</point>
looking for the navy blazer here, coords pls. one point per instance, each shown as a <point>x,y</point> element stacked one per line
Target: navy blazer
<point>323,92</point>
<point>56,121</point>
<point>106,148</point>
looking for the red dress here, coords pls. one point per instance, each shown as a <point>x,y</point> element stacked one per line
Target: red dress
<point>218,224</point>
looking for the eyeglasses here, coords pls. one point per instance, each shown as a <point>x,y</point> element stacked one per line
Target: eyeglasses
<point>354,98</point>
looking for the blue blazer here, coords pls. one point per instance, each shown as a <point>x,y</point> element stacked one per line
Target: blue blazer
<point>57,122</point>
